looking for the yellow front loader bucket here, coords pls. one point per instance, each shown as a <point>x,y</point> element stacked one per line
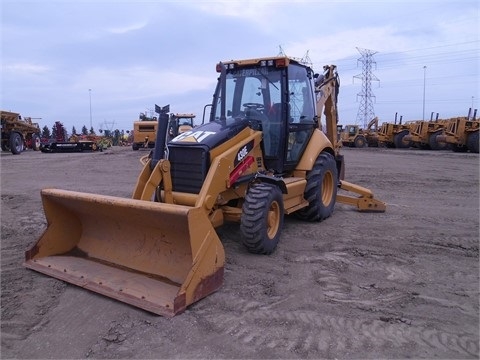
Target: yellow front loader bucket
<point>155,256</point>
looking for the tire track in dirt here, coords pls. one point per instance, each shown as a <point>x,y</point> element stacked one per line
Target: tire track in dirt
<point>25,296</point>
<point>331,334</point>
<point>380,326</point>
<point>334,276</point>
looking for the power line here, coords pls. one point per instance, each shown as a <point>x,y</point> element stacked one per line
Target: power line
<point>429,48</point>
<point>457,55</point>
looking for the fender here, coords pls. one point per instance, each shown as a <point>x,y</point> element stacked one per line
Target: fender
<point>318,143</point>
<point>274,181</point>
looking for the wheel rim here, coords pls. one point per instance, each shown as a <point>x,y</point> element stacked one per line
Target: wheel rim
<point>328,185</point>
<point>273,219</point>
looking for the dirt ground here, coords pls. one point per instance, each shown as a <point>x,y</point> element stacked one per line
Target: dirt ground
<point>400,284</point>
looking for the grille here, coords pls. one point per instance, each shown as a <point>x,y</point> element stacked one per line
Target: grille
<point>189,167</point>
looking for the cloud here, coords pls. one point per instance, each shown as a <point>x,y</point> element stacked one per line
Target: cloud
<point>134,54</point>
<point>25,69</point>
<point>248,9</point>
<point>127,28</point>
<point>138,82</point>
<point>326,47</point>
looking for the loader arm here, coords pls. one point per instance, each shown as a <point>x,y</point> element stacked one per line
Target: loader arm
<point>149,180</point>
<point>156,169</point>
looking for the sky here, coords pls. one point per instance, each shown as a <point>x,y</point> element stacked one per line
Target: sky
<point>101,63</point>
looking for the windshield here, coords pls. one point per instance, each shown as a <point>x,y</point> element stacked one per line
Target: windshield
<point>249,91</point>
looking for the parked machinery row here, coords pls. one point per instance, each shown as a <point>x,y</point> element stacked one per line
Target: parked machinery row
<point>460,134</point>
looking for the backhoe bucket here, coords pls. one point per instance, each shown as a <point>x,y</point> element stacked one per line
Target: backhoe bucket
<point>155,256</point>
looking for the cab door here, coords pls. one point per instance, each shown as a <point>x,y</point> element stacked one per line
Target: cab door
<point>301,113</point>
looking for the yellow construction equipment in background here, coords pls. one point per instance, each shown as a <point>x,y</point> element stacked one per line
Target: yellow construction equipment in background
<point>18,134</point>
<point>144,132</point>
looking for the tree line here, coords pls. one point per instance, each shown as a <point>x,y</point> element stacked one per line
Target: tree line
<point>49,134</point>
<point>117,136</point>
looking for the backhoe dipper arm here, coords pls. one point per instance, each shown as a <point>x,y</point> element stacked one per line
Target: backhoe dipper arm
<point>326,89</point>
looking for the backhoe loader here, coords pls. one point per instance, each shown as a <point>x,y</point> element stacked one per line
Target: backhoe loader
<point>354,136</point>
<point>180,123</point>
<point>265,153</point>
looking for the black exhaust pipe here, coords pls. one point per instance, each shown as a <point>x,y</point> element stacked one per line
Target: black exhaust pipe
<point>160,141</point>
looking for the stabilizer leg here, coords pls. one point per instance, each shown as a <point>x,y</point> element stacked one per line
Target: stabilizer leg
<point>365,202</point>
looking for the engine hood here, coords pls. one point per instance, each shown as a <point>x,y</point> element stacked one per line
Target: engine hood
<point>211,134</point>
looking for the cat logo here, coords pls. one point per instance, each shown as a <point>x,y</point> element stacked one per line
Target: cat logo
<point>193,136</point>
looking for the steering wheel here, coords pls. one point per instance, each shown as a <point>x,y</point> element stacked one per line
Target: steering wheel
<point>254,106</point>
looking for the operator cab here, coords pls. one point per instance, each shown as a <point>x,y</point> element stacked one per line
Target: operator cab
<point>274,95</point>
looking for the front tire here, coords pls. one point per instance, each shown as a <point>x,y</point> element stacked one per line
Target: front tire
<point>360,142</point>
<point>262,218</point>
<point>36,143</point>
<point>321,189</point>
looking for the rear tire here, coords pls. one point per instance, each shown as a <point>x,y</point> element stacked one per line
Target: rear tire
<point>16,143</point>
<point>321,189</point>
<point>262,218</point>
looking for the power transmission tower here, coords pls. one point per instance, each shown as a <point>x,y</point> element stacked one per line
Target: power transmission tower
<point>107,126</point>
<point>306,59</point>
<point>365,110</point>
